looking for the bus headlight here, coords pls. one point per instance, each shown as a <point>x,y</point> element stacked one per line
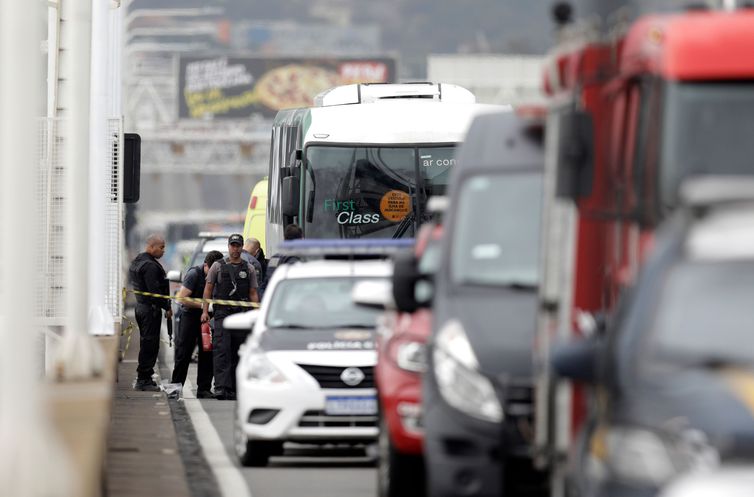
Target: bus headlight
<point>456,370</point>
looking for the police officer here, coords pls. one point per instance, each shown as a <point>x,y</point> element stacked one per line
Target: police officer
<point>246,255</point>
<point>231,278</point>
<point>147,275</point>
<point>189,333</point>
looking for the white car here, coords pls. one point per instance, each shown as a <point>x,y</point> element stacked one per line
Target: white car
<point>306,372</point>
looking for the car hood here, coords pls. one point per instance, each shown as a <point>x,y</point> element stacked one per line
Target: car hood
<point>317,339</point>
<point>718,402</point>
<point>500,325</point>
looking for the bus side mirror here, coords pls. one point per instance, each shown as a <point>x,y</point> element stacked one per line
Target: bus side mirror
<point>575,155</point>
<point>291,191</point>
<point>131,167</point>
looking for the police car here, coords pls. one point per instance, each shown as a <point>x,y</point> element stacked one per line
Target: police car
<point>306,372</point>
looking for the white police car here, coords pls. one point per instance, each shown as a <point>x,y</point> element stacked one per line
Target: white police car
<point>306,372</point>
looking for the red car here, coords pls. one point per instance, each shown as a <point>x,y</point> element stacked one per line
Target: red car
<point>401,361</point>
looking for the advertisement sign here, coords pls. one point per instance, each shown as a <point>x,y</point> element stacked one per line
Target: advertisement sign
<point>237,87</point>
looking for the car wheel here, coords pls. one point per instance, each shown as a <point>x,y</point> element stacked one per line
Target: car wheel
<point>251,453</point>
<point>398,475</point>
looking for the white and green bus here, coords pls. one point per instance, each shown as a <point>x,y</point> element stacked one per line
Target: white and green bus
<point>363,161</point>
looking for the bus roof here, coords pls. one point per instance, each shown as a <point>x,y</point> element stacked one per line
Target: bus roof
<point>392,122</point>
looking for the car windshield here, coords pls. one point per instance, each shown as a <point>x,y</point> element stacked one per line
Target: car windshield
<point>705,313</point>
<point>357,192</point>
<point>707,130</point>
<point>496,239</point>
<point>318,303</point>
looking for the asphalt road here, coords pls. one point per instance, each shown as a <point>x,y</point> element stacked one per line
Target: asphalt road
<point>302,470</point>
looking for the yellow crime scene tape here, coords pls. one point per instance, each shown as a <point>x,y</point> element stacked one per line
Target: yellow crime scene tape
<point>233,303</point>
<point>128,331</point>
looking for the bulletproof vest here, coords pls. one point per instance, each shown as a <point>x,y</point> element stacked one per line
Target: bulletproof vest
<point>199,285</point>
<point>234,282</point>
<point>198,290</point>
<point>136,276</point>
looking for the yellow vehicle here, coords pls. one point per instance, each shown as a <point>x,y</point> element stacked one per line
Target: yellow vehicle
<point>256,215</point>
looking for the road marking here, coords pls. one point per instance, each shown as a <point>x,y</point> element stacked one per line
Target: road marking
<point>229,477</point>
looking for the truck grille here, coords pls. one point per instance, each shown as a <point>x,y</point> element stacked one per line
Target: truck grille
<point>318,419</point>
<point>329,376</point>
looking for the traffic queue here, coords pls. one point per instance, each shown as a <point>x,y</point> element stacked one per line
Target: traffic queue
<point>563,305</point>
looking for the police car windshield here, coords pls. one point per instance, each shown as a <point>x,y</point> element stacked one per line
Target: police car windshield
<point>315,303</point>
<point>496,238</point>
<point>358,192</point>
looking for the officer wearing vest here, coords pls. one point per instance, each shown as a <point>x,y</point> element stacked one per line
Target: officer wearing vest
<point>147,275</point>
<point>189,333</point>
<point>231,278</point>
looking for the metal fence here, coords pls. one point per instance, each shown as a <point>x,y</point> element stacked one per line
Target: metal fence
<point>50,215</point>
<point>50,205</point>
<point>114,218</point>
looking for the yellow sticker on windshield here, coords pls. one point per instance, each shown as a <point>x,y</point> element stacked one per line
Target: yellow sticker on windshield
<point>395,205</point>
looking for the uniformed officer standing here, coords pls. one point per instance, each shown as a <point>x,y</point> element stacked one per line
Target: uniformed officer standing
<point>147,275</point>
<point>231,278</point>
<point>189,333</point>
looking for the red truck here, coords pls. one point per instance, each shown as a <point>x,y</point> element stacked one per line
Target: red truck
<point>634,108</point>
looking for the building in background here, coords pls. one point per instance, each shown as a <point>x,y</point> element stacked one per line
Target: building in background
<point>202,87</point>
<point>493,78</point>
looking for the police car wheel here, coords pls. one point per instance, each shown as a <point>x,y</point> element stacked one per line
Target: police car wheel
<point>398,475</point>
<point>251,453</point>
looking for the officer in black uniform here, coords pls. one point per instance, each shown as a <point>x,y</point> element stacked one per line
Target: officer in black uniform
<point>189,333</point>
<point>147,275</point>
<point>231,278</point>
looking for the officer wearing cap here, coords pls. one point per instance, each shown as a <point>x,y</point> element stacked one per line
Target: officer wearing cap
<point>231,278</point>
<point>147,275</point>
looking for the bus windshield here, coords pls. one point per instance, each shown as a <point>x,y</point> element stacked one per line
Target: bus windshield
<point>371,191</point>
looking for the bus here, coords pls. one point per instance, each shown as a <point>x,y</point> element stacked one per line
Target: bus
<point>362,162</point>
<point>255,226</point>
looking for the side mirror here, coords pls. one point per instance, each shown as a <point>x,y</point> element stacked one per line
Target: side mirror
<point>575,157</point>
<point>174,276</point>
<point>406,280</point>
<point>290,198</point>
<point>131,167</point>
<point>373,294</point>
<point>243,321</point>
<point>578,361</point>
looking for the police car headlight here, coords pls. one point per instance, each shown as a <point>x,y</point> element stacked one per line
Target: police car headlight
<point>456,370</point>
<point>260,369</point>
<point>643,457</point>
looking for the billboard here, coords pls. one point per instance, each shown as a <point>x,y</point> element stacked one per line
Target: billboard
<point>221,87</point>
